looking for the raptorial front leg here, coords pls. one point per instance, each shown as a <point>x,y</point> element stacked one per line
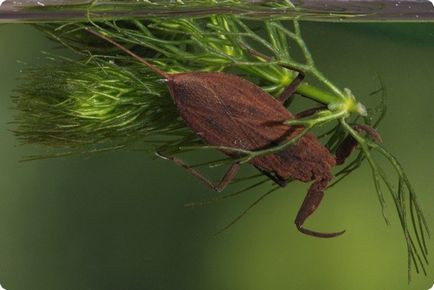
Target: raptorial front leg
<point>310,204</point>
<point>219,186</point>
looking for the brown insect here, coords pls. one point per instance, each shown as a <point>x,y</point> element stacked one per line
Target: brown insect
<point>226,110</point>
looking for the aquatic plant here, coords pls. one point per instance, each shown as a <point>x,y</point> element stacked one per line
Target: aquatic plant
<point>104,100</point>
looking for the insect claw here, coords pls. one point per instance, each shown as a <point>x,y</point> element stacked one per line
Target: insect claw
<point>310,204</point>
<point>318,234</point>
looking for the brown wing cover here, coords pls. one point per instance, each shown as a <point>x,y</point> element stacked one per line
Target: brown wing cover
<point>226,110</point>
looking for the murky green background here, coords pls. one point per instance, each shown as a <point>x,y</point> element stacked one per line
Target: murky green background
<point>117,221</point>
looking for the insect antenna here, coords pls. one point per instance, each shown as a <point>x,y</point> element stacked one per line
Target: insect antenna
<point>256,202</point>
<point>126,50</point>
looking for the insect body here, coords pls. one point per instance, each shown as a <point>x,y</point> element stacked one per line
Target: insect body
<point>228,111</point>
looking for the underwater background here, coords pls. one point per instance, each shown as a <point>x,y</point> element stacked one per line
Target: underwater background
<point>118,221</point>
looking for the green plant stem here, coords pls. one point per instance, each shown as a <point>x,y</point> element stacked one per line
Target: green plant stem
<point>317,94</point>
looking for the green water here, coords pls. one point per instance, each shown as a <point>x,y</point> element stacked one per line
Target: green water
<point>117,220</point>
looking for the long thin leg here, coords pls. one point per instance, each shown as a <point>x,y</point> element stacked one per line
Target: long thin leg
<point>288,93</point>
<point>349,143</point>
<point>310,204</point>
<point>219,186</point>
<point>278,181</point>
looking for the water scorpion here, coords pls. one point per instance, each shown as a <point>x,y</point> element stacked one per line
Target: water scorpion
<point>228,111</point>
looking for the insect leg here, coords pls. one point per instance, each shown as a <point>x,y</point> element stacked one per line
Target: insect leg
<point>278,181</point>
<point>219,186</point>
<point>310,204</point>
<point>349,143</point>
<point>287,95</point>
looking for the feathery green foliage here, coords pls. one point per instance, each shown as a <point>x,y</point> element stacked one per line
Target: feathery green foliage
<point>106,100</point>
